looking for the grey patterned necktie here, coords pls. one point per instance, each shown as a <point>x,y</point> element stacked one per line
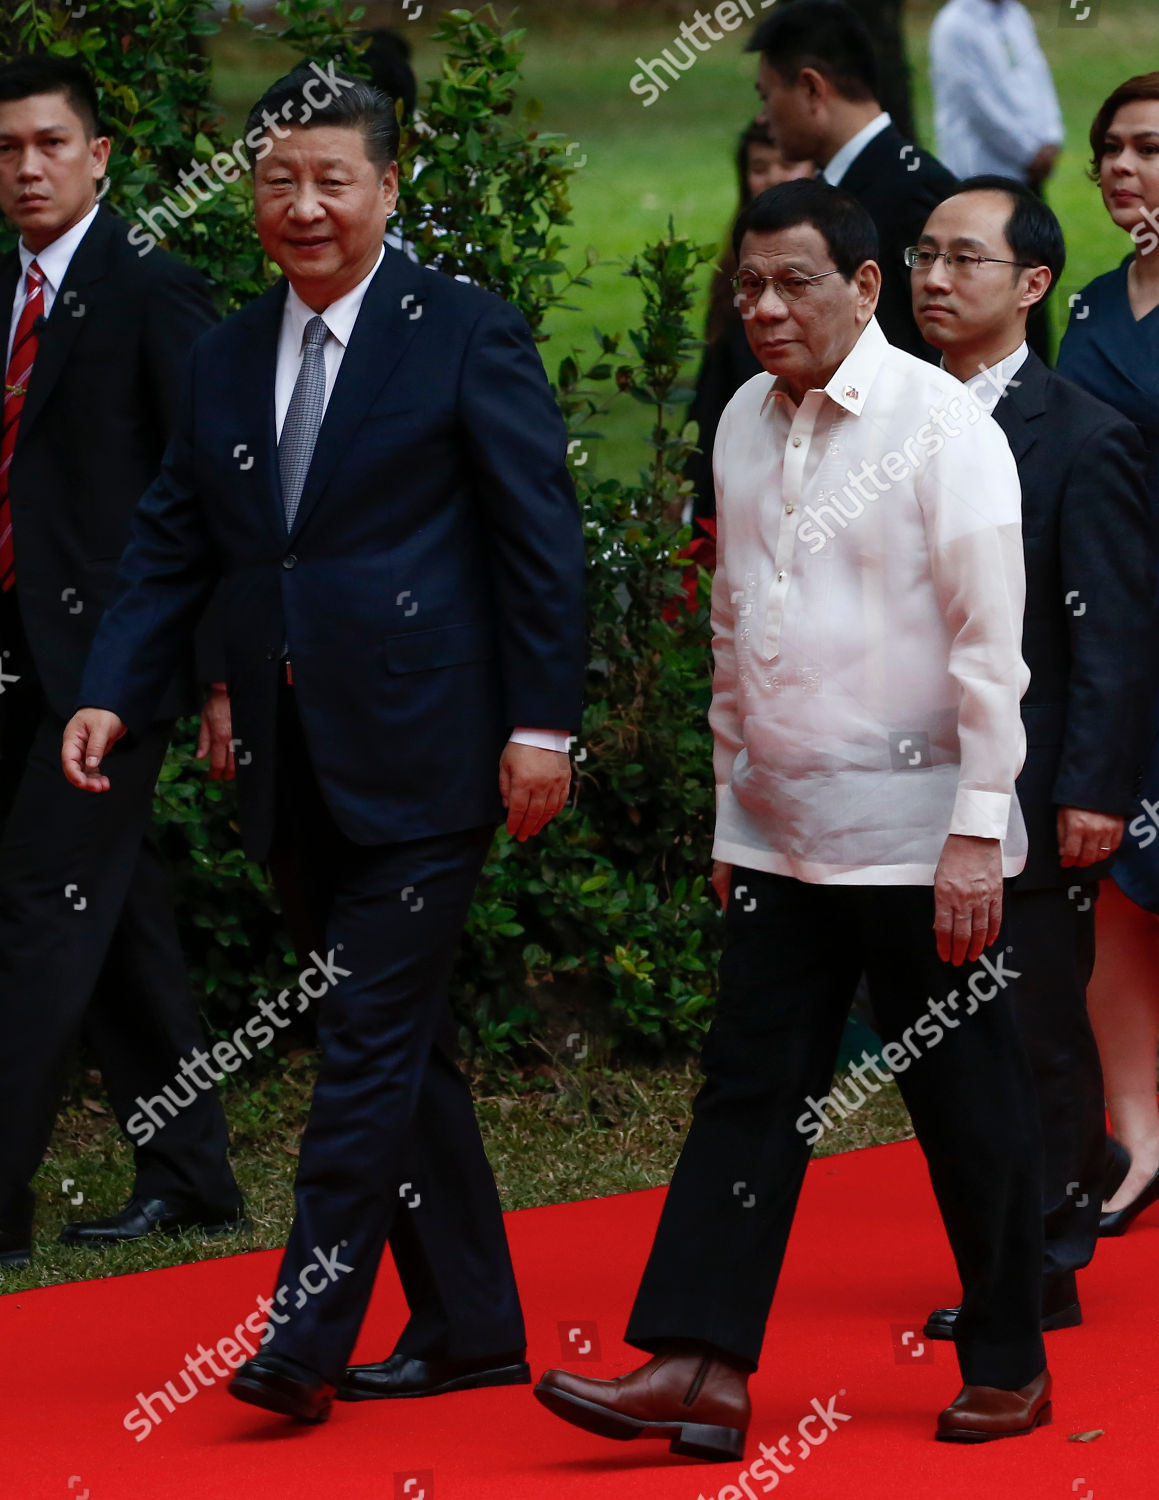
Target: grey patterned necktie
<point>303,419</point>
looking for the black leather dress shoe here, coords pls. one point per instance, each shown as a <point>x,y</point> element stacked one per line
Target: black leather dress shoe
<point>142,1216</point>
<point>15,1248</point>
<point>1111,1225</point>
<point>278,1384</point>
<point>400,1376</point>
<point>1060,1309</point>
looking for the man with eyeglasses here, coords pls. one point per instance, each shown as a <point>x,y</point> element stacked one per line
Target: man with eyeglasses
<point>987,257</point>
<point>866,611</point>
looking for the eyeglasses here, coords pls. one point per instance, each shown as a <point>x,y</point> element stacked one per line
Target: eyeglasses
<point>750,288</point>
<point>918,258</point>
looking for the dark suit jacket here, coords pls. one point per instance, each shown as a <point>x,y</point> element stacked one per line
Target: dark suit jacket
<point>899,198</point>
<point>1088,636</point>
<point>101,404</point>
<point>431,592</point>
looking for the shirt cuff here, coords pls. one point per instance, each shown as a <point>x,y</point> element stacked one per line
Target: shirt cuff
<point>981,815</point>
<point>542,739</point>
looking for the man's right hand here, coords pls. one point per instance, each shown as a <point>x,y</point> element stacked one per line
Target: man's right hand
<point>88,736</point>
<point>967,897</point>
<point>721,881</point>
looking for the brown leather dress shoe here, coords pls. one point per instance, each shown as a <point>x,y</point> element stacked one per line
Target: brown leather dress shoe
<point>699,1400</point>
<point>983,1412</point>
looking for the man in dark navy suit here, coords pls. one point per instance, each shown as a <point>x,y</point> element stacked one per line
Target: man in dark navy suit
<point>371,458</point>
<point>818,77</point>
<point>985,258</point>
<point>96,339</point>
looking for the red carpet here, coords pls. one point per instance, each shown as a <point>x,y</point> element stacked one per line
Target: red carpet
<point>866,1256</point>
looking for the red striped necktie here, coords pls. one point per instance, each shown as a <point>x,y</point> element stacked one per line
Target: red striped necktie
<point>24,347</point>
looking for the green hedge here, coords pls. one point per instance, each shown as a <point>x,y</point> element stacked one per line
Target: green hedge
<point>608,915</point>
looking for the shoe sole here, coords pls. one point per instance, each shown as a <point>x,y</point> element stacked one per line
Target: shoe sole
<point>1066,1317</point>
<point>1043,1418</point>
<point>690,1439</point>
<point>230,1226</point>
<point>270,1398</point>
<point>510,1375</point>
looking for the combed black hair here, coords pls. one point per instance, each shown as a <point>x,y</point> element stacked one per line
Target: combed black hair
<point>827,35</point>
<point>839,219</point>
<point>354,103</point>
<point>26,76</point>
<point>1032,231</point>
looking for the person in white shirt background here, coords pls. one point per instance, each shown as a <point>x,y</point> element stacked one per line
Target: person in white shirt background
<point>867,617</point>
<point>995,105</point>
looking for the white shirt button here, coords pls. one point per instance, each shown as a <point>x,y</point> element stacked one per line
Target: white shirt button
<point>796,442</point>
<point>789,509</point>
<point>781,576</point>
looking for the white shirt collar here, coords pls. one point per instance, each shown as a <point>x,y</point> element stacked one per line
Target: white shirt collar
<point>54,259</point>
<point>856,373</point>
<point>835,169</point>
<point>340,317</point>
<point>989,386</point>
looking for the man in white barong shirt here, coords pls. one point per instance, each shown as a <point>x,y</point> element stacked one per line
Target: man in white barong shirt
<point>867,619</point>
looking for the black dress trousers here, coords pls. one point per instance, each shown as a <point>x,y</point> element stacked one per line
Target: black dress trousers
<point>392,1150</point>
<point>793,956</point>
<point>1052,933</point>
<point>89,945</point>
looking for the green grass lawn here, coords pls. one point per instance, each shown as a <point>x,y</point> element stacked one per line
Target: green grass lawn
<point>553,1134</point>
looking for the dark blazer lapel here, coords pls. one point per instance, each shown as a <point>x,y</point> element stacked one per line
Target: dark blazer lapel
<point>1022,404</point>
<point>875,164</point>
<point>248,367</point>
<point>66,319</point>
<point>387,322</point>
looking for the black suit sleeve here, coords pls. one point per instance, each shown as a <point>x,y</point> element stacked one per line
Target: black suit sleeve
<point>519,450</point>
<point>1107,566</point>
<point>180,309</point>
<point>167,573</point>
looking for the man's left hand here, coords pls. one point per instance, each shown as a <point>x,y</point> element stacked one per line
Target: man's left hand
<point>1084,837</point>
<point>216,737</point>
<point>534,785</point>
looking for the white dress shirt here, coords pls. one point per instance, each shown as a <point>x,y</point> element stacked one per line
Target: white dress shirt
<point>340,318</point>
<point>54,263</point>
<point>867,622</point>
<point>837,166</point>
<point>995,105</point>
<point>989,386</point>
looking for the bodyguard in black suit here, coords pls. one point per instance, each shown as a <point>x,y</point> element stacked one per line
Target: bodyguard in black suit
<point>1088,641</point>
<point>95,341</point>
<point>370,457</point>
<point>819,81</point>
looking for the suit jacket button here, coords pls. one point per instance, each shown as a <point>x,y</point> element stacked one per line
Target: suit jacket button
<point>290,562</point>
